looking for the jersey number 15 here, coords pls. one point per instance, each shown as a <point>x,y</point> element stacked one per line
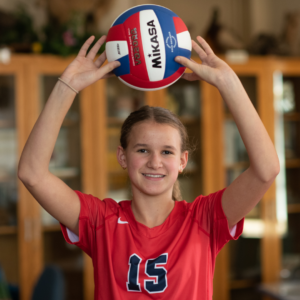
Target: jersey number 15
<point>152,270</point>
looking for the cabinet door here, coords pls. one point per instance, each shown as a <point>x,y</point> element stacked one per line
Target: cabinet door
<point>66,164</point>
<point>9,194</point>
<point>235,274</point>
<point>19,237</point>
<point>121,101</point>
<point>184,99</point>
<point>245,260</point>
<point>291,116</point>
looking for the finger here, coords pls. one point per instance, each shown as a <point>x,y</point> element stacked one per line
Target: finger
<point>100,60</point>
<point>85,46</point>
<point>92,53</point>
<point>108,68</point>
<point>205,45</point>
<point>199,50</point>
<point>186,62</point>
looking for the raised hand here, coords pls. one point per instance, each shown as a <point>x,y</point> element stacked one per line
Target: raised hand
<point>212,68</point>
<point>83,70</point>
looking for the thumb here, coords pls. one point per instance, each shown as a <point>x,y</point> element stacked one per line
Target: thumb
<point>186,62</point>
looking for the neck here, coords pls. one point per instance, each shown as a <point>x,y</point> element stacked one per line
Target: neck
<point>151,211</point>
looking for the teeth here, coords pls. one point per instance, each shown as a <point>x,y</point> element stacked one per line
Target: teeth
<point>148,175</point>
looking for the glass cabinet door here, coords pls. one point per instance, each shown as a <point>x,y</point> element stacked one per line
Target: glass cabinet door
<point>183,99</point>
<point>245,269</point>
<point>291,116</point>
<point>65,164</point>
<point>8,179</point>
<point>121,101</point>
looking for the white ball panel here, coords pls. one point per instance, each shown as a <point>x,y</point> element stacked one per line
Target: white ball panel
<point>184,40</point>
<point>116,49</point>
<point>153,48</point>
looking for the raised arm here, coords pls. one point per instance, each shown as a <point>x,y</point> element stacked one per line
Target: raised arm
<point>51,192</point>
<point>246,190</point>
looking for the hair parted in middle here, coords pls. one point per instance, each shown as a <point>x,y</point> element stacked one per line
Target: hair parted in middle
<point>162,116</point>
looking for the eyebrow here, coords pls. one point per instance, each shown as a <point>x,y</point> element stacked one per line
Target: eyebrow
<point>146,145</point>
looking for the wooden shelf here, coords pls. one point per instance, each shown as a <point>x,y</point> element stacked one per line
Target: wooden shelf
<point>189,120</point>
<point>294,208</point>
<point>228,116</point>
<point>115,121</point>
<point>69,122</point>
<point>242,284</point>
<point>51,228</point>
<point>4,177</point>
<point>238,165</point>
<point>7,123</point>
<point>292,116</point>
<point>5,230</point>
<point>117,172</point>
<point>292,163</point>
<point>65,173</point>
<point>185,120</point>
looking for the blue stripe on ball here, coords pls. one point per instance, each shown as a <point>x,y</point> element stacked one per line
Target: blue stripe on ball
<point>184,52</point>
<point>165,18</point>
<point>122,18</point>
<point>124,68</point>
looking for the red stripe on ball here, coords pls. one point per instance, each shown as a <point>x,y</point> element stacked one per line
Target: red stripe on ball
<point>135,46</point>
<point>179,25</point>
<point>116,33</point>
<point>153,84</point>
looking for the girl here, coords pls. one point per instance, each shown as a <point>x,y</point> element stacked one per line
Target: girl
<point>153,246</point>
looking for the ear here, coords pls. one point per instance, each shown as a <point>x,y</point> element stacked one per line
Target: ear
<point>121,156</point>
<point>184,159</point>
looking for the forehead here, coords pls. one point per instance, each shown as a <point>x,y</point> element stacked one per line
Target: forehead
<point>150,132</point>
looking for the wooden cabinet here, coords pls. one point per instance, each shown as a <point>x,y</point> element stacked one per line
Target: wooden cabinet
<point>19,238</point>
<point>29,237</point>
<point>289,110</point>
<point>255,256</point>
<point>85,158</point>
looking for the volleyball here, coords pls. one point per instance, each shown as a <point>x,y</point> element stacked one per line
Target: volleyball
<point>146,39</point>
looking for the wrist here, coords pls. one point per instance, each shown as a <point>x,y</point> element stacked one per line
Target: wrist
<point>63,90</point>
<point>227,80</point>
<point>64,81</point>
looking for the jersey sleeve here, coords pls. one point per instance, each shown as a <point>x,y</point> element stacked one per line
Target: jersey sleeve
<point>91,217</point>
<point>208,211</point>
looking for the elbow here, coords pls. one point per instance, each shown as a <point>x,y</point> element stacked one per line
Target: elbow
<point>26,177</point>
<point>271,173</point>
<point>23,176</point>
<point>276,168</point>
<point>21,173</point>
<point>267,174</point>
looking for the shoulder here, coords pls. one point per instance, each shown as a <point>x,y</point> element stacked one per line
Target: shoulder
<point>107,206</point>
<point>207,204</point>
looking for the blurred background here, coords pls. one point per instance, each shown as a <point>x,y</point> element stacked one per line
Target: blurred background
<point>259,39</point>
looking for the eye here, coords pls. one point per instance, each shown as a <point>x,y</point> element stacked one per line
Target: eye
<point>169,152</point>
<point>142,150</point>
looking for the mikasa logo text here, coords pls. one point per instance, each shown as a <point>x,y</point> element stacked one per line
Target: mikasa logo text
<point>156,62</point>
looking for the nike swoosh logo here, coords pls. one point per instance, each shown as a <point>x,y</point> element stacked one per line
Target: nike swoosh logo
<point>122,222</point>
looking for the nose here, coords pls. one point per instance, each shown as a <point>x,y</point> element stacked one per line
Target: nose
<point>154,161</point>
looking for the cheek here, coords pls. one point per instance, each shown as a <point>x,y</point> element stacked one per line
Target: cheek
<point>135,163</point>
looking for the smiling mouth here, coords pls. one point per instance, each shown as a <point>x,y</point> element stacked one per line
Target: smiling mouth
<point>153,176</point>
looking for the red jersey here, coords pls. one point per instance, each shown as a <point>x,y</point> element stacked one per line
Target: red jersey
<point>174,260</point>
